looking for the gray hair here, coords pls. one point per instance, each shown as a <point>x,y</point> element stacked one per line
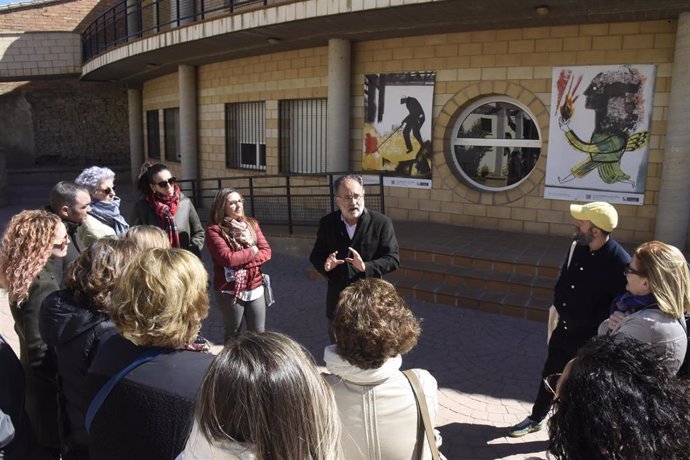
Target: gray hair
<point>64,193</point>
<point>353,177</point>
<point>91,177</point>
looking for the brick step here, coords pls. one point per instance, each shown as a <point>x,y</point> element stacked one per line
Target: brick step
<point>490,301</point>
<point>501,262</point>
<point>470,276</point>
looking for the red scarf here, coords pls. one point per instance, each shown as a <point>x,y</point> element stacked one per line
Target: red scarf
<point>165,208</point>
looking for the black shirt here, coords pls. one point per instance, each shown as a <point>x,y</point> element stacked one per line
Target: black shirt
<point>585,289</point>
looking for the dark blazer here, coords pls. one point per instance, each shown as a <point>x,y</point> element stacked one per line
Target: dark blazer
<point>375,241</point>
<point>38,359</point>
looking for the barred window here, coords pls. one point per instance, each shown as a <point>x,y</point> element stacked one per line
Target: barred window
<point>245,134</point>
<point>153,135</point>
<point>171,119</point>
<point>302,136</point>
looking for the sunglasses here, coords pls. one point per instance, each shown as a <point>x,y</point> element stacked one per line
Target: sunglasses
<point>165,183</point>
<point>236,202</point>
<point>628,270</point>
<point>108,190</point>
<point>61,243</point>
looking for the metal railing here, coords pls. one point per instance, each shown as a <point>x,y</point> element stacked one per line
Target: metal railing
<point>133,19</point>
<point>287,199</point>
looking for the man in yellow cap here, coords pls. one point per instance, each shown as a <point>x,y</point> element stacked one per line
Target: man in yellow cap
<point>591,276</point>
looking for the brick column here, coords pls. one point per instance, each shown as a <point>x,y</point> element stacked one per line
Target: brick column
<point>338,123</point>
<point>673,211</point>
<point>136,131</point>
<point>188,122</point>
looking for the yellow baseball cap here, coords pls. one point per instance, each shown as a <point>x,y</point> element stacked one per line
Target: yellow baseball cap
<point>600,213</point>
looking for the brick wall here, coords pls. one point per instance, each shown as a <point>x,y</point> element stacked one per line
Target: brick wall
<point>70,15</point>
<point>35,54</point>
<point>514,62</point>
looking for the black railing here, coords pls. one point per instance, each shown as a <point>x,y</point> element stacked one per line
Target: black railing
<point>133,19</point>
<point>287,199</point>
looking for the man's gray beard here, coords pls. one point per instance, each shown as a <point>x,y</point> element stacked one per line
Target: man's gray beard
<point>583,239</point>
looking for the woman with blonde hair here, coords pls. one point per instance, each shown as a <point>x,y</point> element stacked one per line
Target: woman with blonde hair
<point>32,244</point>
<point>157,307</point>
<point>262,399</point>
<point>373,327</point>
<point>238,249</point>
<point>656,298</point>
<point>75,321</point>
<point>147,237</point>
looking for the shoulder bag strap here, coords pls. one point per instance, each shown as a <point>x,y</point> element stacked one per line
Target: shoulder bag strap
<point>424,411</point>
<point>105,390</point>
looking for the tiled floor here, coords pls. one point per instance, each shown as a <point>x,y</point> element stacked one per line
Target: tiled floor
<point>487,366</point>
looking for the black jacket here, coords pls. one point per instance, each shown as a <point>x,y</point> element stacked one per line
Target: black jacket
<point>75,333</point>
<point>375,241</point>
<point>148,414</point>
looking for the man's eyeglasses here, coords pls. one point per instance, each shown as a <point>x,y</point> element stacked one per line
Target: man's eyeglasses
<point>355,196</point>
<point>165,183</point>
<point>629,270</point>
<point>551,382</point>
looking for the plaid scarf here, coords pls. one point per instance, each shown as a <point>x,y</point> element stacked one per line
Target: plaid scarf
<point>165,208</point>
<point>235,233</point>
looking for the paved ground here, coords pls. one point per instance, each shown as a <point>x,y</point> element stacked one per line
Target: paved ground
<point>487,366</point>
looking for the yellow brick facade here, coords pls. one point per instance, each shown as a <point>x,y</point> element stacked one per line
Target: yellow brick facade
<point>468,65</point>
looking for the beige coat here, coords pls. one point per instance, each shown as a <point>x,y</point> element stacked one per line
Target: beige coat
<point>378,409</point>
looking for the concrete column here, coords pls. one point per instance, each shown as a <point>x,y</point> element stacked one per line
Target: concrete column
<point>188,122</point>
<point>673,211</point>
<point>338,124</point>
<point>133,24</point>
<point>136,130</point>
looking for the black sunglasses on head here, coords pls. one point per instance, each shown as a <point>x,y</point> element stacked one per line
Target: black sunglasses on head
<point>165,183</point>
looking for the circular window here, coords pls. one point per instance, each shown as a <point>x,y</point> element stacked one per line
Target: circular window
<point>495,144</point>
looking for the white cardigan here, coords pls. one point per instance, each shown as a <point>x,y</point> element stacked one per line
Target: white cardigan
<point>378,409</point>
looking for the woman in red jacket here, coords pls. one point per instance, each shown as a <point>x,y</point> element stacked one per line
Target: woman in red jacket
<point>238,249</point>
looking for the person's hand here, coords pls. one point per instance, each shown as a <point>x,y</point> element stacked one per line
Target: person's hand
<point>616,319</point>
<point>356,260</point>
<point>332,261</point>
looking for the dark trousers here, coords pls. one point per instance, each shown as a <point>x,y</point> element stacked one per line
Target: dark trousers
<point>564,343</point>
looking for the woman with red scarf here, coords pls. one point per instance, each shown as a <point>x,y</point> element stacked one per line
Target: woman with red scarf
<point>238,249</point>
<point>165,206</point>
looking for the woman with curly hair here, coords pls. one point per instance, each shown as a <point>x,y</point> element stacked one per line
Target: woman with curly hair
<point>165,206</point>
<point>238,249</point>
<point>104,218</point>
<point>262,399</point>
<point>32,244</point>
<point>652,310</point>
<point>157,306</point>
<point>618,400</point>
<point>75,322</point>
<point>373,327</point>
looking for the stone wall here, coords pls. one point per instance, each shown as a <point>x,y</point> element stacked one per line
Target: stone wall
<point>64,122</point>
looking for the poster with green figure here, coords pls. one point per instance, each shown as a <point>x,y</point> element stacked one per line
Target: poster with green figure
<point>599,141</point>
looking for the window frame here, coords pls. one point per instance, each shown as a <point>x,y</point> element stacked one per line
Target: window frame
<point>314,117</point>
<point>509,143</point>
<point>236,136</point>
<point>175,111</point>
<point>151,140</point>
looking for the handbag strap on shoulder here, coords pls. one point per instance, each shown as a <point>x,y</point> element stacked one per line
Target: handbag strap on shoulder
<point>105,390</point>
<point>424,411</point>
